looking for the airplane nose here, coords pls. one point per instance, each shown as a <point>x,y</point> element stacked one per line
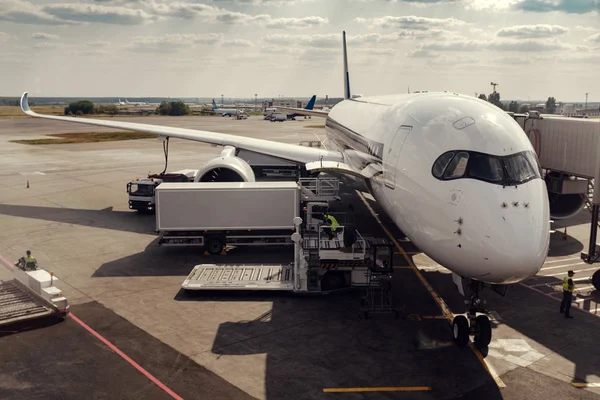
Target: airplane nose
<point>517,244</point>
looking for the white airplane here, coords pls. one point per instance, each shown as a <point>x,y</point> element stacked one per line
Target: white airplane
<point>456,174</point>
<point>136,103</point>
<point>224,111</point>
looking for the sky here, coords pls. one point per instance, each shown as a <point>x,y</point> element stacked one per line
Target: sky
<point>533,49</point>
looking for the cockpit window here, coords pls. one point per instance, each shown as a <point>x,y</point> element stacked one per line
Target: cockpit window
<point>458,166</point>
<point>441,163</point>
<point>503,170</point>
<point>486,168</point>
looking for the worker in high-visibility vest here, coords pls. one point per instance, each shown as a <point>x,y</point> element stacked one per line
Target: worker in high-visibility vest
<point>30,262</point>
<point>333,225</point>
<point>568,288</point>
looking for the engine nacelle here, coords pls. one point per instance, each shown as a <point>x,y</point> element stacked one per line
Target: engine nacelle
<point>226,168</point>
<point>566,195</point>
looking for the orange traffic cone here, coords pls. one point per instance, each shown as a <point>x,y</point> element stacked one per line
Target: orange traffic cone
<point>27,184</point>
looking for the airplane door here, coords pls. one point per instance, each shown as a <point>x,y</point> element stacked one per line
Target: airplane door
<point>393,155</point>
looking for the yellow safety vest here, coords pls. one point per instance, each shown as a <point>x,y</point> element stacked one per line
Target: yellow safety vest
<point>333,221</point>
<point>566,284</point>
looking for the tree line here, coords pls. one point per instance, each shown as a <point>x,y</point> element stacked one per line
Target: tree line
<point>514,106</point>
<point>85,107</point>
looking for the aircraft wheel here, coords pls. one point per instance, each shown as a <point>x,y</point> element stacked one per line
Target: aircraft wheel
<point>484,335</point>
<point>596,280</point>
<point>460,330</point>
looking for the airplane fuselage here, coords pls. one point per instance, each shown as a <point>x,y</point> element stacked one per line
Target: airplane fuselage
<point>489,229</point>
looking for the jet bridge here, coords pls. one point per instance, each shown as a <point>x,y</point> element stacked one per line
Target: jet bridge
<point>569,153</point>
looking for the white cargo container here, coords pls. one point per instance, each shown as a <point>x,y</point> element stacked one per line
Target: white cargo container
<point>227,206</point>
<point>216,214</point>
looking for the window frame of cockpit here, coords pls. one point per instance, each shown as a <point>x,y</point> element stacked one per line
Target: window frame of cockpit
<point>506,179</point>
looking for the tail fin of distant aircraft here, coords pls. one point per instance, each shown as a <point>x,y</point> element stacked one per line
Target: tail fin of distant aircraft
<point>346,75</point>
<point>215,107</point>
<point>311,103</point>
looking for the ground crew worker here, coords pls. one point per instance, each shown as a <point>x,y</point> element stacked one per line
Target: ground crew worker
<point>30,262</point>
<point>333,225</point>
<point>568,288</point>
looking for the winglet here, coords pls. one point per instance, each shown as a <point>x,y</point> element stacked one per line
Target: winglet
<point>25,105</point>
<point>346,75</point>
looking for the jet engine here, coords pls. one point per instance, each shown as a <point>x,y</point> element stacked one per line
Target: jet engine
<point>226,168</point>
<point>566,194</point>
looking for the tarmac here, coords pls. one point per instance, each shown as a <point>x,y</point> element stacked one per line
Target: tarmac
<point>75,219</point>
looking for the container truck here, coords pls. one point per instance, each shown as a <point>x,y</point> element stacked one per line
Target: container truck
<point>215,214</point>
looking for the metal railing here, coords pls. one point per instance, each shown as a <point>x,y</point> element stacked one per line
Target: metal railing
<point>321,186</point>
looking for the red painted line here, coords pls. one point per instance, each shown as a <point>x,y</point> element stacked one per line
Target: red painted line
<point>8,263</point>
<point>126,358</point>
<point>554,298</point>
<point>113,347</point>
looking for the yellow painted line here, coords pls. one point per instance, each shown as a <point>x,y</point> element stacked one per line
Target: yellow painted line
<point>440,302</point>
<point>433,317</point>
<point>584,385</point>
<point>403,267</point>
<point>378,389</point>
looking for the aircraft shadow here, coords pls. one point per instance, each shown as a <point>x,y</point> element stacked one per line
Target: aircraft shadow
<point>536,317</point>
<point>126,221</point>
<point>179,261</point>
<point>564,245</point>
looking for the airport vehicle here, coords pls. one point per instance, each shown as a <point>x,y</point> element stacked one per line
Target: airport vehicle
<point>456,174</point>
<point>278,117</point>
<point>214,215</point>
<point>141,191</point>
<point>320,265</point>
<point>32,293</point>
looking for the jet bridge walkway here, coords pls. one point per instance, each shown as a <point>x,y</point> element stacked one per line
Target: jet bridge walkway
<point>569,153</point>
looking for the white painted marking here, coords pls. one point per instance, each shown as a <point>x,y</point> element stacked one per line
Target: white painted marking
<point>517,360</point>
<point>533,356</point>
<point>495,353</point>
<point>576,271</point>
<point>563,260</point>
<point>514,345</point>
<point>562,266</point>
<point>583,299</point>
<point>585,287</point>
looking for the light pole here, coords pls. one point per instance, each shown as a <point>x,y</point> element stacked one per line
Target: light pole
<point>221,100</point>
<point>586,97</point>
<point>255,102</point>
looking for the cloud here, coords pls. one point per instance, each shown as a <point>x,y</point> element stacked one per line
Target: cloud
<point>277,50</point>
<point>47,45</point>
<point>98,44</point>
<point>566,6</point>
<point>511,60</point>
<point>237,43</point>
<point>319,41</point>
<point>527,46</point>
<point>379,52</point>
<point>411,22</point>
<point>213,14</point>
<point>305,22</point>
<point>496,5</point>
<point>320,55</point>
<point>44,36</point>
<point>532,31</point>
<point>585,28</point>
<point>594,38</point>
<point>171,43</point>
<point>455,45</point>
<point>80,12</point>
<point>23,12</point>
<point>5,37</point>
<point>420,53</point>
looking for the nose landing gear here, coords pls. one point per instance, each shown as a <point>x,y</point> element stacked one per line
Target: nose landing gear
<point>476,325</point>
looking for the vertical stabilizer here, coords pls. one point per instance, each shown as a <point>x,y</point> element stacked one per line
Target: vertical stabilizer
<point>311,103</point>
<point>346,75</point>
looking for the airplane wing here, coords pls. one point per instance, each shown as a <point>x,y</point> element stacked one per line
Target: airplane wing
<point>286,151</point>
<point>304,111</point>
